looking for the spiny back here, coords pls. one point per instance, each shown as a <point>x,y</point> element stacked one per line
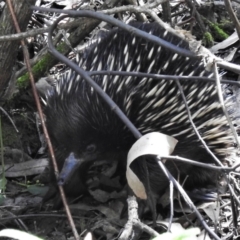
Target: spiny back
<point>77,116</point>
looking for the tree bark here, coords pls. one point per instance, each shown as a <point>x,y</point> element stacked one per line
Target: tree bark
<point>9,49</point>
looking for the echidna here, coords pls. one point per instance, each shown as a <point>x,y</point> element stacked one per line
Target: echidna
<point>80,122</point>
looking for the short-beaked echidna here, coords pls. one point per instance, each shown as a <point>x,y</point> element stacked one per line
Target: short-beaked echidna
<point>80,122</point>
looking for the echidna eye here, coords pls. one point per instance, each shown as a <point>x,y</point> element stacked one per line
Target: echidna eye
<point>91,148</point>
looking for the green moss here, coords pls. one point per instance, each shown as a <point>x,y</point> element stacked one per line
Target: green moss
<point>227,26</point>
<point>217,32</point>
<point>38,71</point>
<point>41,67</point>
<point>208,40</point>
